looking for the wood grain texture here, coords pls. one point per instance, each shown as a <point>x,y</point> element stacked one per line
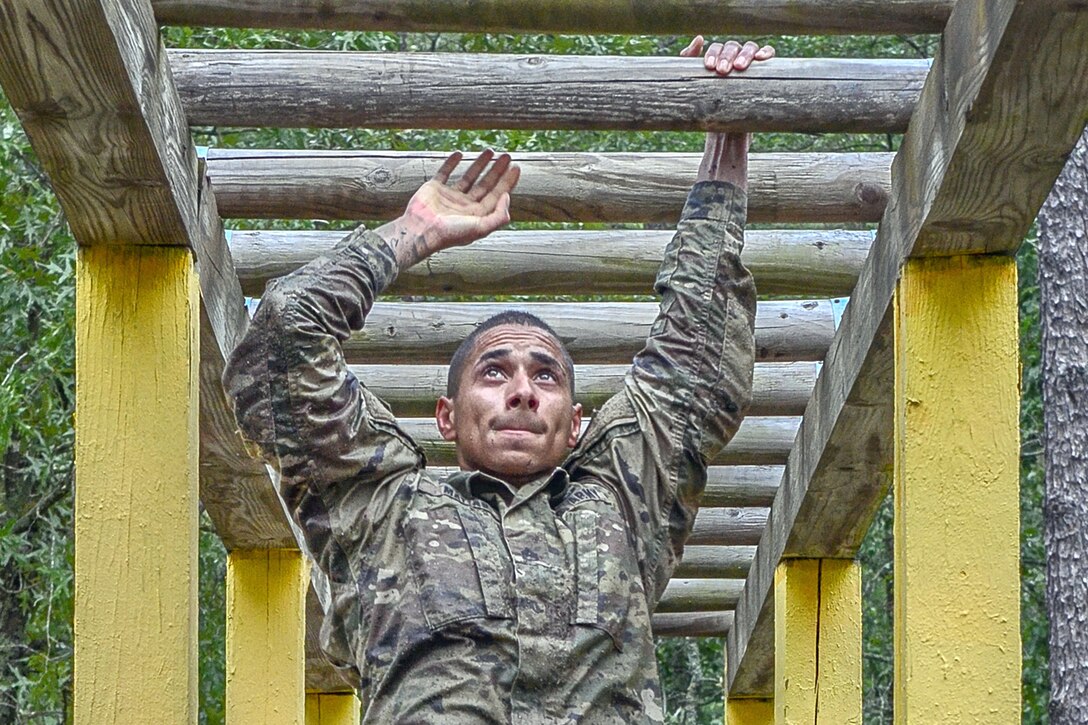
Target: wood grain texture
<point>692,624</point>
<point>593,332</point>
<point>699,595</point>
<point>759,441</point>
<point>728,526</point>
<point>103,116</point>
<point>783,261</point>
<point>412,390</point>
<point>715,562</point>
<point>1008,71</point>
<point>559,187</point>
<point>659,17</point>
<point>306,89</point>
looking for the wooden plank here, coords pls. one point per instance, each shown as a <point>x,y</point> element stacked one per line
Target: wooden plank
<point>266,623</point>
<point>957,495</point>
<point>759,441</point>
<point>103,116</point>
<point>715,562</point>
<point>594,333</point>
<point>136,453</point>
<point>797,262</point>
<point>559,187</point>
<point>411,390</point>
<point>692,624</point>
<point>728,526</point>
<point>658,17</point>
<point>741,485</point>
<point>699,595</point>
<point>1005,103</point>
<point>306,89</point>
<point>332,708</point>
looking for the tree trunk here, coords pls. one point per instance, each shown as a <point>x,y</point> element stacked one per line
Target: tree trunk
<point>1063,288</point>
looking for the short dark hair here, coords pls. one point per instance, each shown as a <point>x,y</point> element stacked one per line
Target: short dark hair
<point>507,317</point>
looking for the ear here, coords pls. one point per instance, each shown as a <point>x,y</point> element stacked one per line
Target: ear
<point>444,416</point>
<point>575,426</point>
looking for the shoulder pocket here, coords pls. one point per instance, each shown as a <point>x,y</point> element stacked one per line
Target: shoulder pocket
<point>456,565</point>
<point>603,585</point>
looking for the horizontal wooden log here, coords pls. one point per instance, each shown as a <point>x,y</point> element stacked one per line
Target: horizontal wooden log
<point>728,526</point>
<point>700,595</point>
<point>559,187</point>
<point>715,562</point>
<point>759,441</point>
<point>692,624</point>
<point>298,89</point>
<point>726,486</point>
<point>658,17</point>
<point>570,262</point>
<point>606,333</point>
<point>411,390</point>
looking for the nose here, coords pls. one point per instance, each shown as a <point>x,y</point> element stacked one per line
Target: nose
<point>521,393</point>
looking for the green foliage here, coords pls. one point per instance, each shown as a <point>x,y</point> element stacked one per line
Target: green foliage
<point>36,383</point>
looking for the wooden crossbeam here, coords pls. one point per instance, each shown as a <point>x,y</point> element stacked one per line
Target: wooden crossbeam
<point>672,17</point>
<point>715,562</point>
<point>1003,106</point>
<point>728,526</point>
<point>560,187</point>
<point>411,390</point>
<point>594,332</point>
<point>700,595</point>
<point>298,89</point>
<point>759,441</point>
<point>569,262</point>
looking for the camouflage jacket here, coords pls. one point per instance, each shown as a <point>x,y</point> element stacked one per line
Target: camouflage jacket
<point>463,600</point>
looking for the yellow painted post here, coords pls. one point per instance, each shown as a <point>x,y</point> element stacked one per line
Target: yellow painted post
<point>749,712</point>
<point>137,454</point>
<point>817,642</point>
<point>332,708</point>
<point>266,630</point>
<point>957,587</point>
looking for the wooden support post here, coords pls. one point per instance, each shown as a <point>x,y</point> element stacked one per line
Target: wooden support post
<point>137,309</point>
<point>957,584</point>
<point>749,711</point>
<point>266,626</point>
<point>332,708</point>
<point>817,657</point>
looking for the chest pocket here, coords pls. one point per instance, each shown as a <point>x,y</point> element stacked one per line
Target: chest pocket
<point>603,584</point>
<point>459,570</point>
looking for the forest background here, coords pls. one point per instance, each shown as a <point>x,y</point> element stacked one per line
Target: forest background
<point>37,259</point>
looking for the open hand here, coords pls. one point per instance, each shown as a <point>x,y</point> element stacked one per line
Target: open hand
<point>724,58</point>
<point>441,215</point>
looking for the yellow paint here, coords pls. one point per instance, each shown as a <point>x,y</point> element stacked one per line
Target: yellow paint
<point>817,657</point>
<point>332,708</point>
<point>749,712</point>
<point>957,590</point>
<point>266,623</point>
<point>137,348</point>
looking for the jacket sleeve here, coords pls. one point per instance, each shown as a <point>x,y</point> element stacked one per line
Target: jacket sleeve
<point>687,390</point>
<point>336,446</point>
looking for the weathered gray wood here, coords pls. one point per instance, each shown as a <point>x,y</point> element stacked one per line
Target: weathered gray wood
<point>292,88</point>
<point>728,526</point>
<point>562,187</point>
<point>692,624</point>
<point>1002,108</point>
<point>411,390</point>
<point>618,261</point>
<point>699,595</point>
<point>759,441</point>
<point>715,562</point>
<point>659,17</point>
<point>235,488</point>
<point>598,332</point>
<point>103,117</point>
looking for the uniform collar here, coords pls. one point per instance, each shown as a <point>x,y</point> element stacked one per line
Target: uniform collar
<point>477,484</point>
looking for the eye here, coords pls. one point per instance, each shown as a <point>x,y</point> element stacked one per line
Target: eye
<point>491,372</point>
<point>547,375</point>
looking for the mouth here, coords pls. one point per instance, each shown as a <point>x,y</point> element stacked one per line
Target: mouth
<point>519,426</point>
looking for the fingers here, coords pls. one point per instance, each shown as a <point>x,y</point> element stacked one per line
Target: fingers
<point>694,47</point>
<point>447,167</point>
<point>491,180</point>
<point>724,58</point>
<point>765,53</point>
<point>469,177</point>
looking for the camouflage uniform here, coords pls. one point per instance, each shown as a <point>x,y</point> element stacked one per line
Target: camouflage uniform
<point>466,600</point>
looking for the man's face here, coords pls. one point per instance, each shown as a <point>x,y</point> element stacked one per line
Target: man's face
<point>513,416</point>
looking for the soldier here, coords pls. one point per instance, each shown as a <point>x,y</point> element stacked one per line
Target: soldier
<point>520,588</point>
